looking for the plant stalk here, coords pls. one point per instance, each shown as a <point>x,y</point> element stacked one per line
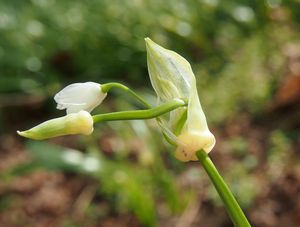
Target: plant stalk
<point>140,114</point>
<point>234,210</point>
<point>106,87</point>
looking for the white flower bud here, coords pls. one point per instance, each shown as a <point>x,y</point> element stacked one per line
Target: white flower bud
<point>79,96</point>
<point>172,77</point>
<point>75,123</point>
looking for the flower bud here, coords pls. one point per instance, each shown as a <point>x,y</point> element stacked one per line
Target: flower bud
<point>80,96</point>
<point>75,123</point>
<point>172,77</point>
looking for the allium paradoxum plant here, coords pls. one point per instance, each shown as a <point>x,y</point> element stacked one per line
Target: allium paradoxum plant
<point>186,128</point>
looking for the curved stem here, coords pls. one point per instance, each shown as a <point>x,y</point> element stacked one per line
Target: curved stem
<point>234,210</point>
<point>106,87</point>
<point>140,114</point>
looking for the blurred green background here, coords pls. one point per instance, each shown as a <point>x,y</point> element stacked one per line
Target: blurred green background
<point>246,57</point>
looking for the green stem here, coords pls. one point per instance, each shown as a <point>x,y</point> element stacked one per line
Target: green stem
<point>106,87</point>
<point>140,114</point>
<point>235,212</point>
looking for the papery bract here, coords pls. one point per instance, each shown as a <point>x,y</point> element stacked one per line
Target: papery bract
<point>172,77</point>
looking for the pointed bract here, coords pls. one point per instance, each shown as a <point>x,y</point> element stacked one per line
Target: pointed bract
<point>172,77</point>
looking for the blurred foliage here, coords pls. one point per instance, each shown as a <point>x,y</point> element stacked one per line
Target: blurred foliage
<point>240,53</point>
<point>133,186</point>
<point>234,46</point>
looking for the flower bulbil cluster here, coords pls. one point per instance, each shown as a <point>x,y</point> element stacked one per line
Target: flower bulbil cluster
<point>171,77</point>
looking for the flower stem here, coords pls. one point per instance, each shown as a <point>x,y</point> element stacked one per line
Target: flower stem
<point>140,114</point>
<point>234,210</point>
<point>106,87</point>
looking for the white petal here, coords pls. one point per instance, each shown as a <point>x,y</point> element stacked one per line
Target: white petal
<point>73,109</point>
<point>79,96</point>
